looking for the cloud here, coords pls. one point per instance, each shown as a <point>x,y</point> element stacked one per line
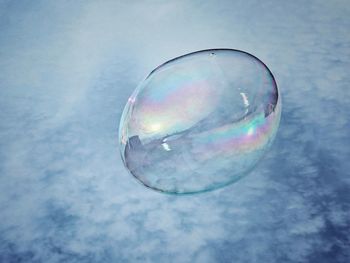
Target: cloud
<point>69,67</point>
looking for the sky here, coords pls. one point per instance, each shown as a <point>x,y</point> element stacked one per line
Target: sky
<point>67,70</point>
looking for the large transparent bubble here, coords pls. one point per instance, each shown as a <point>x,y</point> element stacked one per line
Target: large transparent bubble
<point>200,121</point>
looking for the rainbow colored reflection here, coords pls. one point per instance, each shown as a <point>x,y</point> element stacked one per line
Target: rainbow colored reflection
<point>200,121</point>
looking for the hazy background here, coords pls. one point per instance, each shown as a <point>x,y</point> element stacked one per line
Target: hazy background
<point>66,71</point>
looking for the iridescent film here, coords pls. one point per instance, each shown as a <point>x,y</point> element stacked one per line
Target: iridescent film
<point>200,121</point>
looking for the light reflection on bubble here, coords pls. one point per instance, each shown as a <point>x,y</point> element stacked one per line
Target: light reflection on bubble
<point>200,121</point>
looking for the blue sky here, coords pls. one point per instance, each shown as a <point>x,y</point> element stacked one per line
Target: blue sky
<point>67,69</point>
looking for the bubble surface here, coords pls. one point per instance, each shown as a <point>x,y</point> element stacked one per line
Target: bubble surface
<point>200,121</point>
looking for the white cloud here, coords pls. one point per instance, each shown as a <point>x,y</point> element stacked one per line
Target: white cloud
<point>67,70</point>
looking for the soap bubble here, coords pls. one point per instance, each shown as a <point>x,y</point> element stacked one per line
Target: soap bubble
<point>200,121</point>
